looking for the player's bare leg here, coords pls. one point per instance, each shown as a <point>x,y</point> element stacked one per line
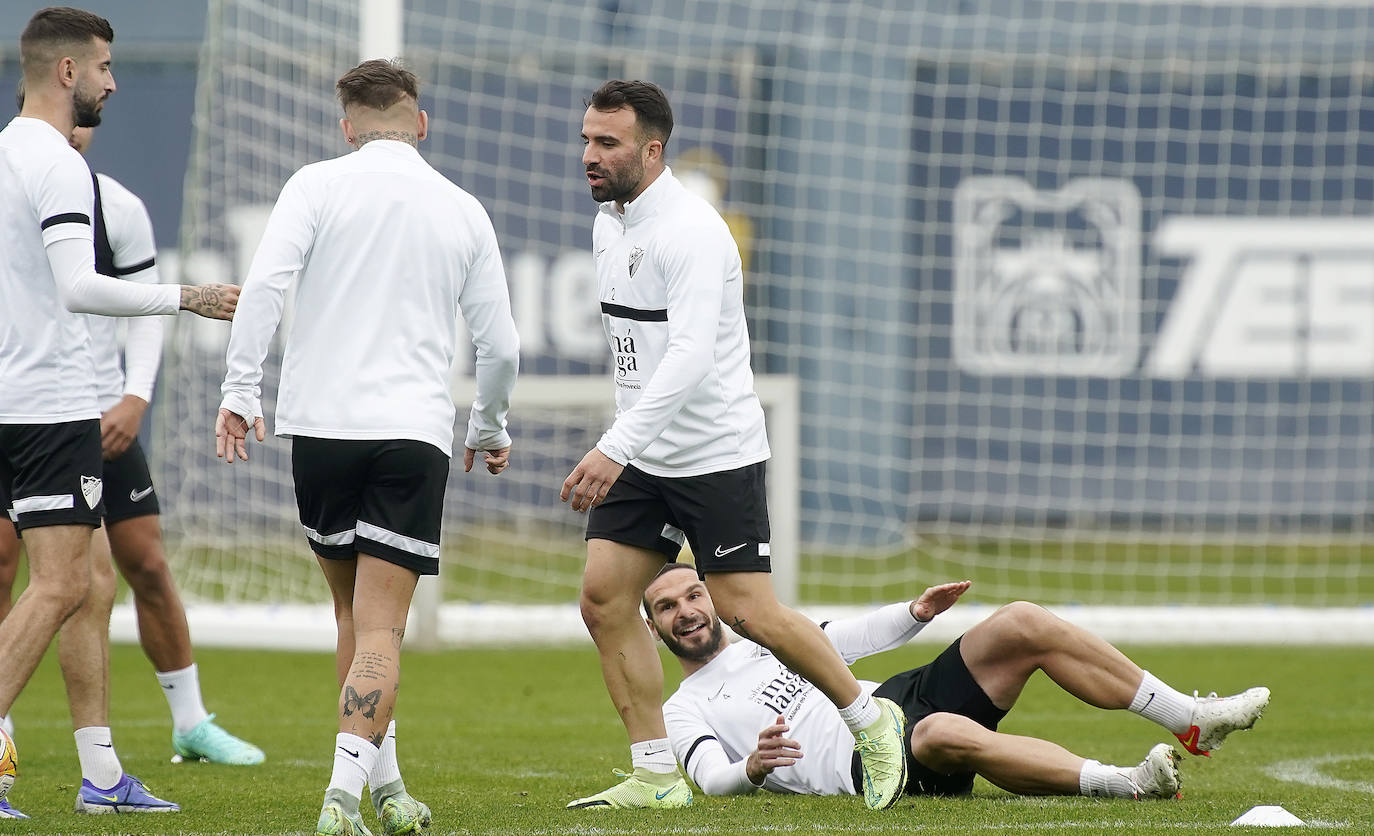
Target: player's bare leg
<point>83,652</point>
<point>1020,638</point>
<point>136,544</point>
<point>745,602</point>
<point>59,577</point>
<point>371,601</point>
<point>613,584</point>
<point>951,743</point>
<point>83,643</point>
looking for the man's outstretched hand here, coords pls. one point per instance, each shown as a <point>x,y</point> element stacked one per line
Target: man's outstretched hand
<point>937,599</point>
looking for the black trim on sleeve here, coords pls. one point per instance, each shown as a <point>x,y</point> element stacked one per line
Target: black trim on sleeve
<point>66,218</point>
<point>137,268</point>
<point>691,750</point>
<point>637,314</point>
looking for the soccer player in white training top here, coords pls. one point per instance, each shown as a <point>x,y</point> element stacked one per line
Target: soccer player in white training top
<point>386,254</point>
<point>125,248</point>
<point>741,721</point>
<point>50,454</point>
<point>685,456</point>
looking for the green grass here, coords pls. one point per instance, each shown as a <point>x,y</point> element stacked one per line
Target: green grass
<point>496,742</point>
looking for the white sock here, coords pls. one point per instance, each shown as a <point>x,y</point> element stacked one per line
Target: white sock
<point>7,724</point>
<point>653,755</point>
<point>182,690</point>
<point>99,763</point>
<point>1097,780</point>
<point>1156,701</point>
<point>861,714</point>
<point>354,760</point>
<point>386,769</point>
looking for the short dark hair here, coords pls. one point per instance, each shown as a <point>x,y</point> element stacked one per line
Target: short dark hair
<point>378,84</point>
<point>59,26</point>
<point>653,114</point>
<point>667,567</point>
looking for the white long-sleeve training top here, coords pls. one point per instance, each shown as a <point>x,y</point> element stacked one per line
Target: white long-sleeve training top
<point>672,304</point>
<point>129,246</point>
<point>388,253</point>
<point>715,716</point>
<point>47,278</point>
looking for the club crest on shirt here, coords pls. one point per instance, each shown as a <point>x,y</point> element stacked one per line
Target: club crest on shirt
<point>636,256</point>
<point>91,488</point>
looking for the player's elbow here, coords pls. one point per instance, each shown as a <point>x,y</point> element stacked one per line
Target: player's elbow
<point>74,302</point>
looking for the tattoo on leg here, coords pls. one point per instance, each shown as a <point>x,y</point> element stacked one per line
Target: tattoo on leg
<point>397,634</point>
<point>378,738</point>
<point>371,665</point>
<point>738,626</point>
<point>366,704</point>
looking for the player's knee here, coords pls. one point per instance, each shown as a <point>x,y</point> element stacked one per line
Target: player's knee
<point>601,606</point>
<point>63,598</point>
<point>148,575</point>
<point>945,742</point>
<point>1020,624</point>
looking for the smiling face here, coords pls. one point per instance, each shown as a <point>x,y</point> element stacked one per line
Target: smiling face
<point>681,612</point>
<point>616,154</point>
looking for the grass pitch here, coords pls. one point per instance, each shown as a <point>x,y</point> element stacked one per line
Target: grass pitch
<point>496,742</point>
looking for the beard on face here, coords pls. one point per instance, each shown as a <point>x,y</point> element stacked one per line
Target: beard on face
<point>619,184</point>
<point>715,636</point>
<point>86,109</point>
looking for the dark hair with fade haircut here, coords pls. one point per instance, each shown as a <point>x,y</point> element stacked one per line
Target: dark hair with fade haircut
<point>667,567</point>
<point>653,114</point>
<point>378,84</point>
<point>58,26</point>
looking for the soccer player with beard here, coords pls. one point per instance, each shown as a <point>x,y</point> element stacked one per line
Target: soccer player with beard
<point>685,456</point>
<point>741,721</point>
<point>50,455</point>
<point>124,248</point>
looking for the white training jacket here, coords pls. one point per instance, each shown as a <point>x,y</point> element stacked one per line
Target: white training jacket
<point>388,253</point>
<point>672,304</point>
<point>715,716</point>
<point>47,278</point>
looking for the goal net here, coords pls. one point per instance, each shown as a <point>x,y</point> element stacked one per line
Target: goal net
<point>1077,294</point>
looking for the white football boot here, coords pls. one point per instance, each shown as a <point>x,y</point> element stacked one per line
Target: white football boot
<point>1215,717</point>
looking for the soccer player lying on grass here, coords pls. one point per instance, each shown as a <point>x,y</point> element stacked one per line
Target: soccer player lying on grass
<point>953,704</point>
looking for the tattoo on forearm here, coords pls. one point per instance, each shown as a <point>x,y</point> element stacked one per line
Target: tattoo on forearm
<point>738,626</point>
<point>366,704</point>
<point>400,136</point>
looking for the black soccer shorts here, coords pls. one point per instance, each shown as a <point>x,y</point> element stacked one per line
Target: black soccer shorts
<point>381,498</point>
<point>51,473</point>
<point>129,486</point>
<point>724,516</point>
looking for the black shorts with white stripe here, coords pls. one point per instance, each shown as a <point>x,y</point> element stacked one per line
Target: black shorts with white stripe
<point>380,498</point>
<point>50,474</point>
